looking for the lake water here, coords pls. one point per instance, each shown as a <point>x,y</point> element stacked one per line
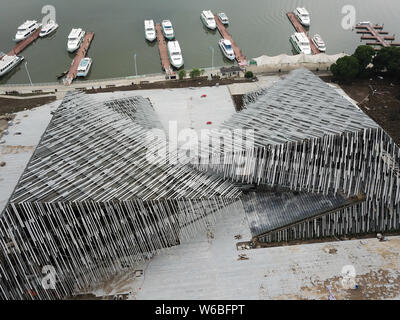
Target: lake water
<point>258,27</point>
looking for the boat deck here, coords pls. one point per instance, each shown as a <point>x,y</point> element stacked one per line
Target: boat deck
<point>299,28</point>
<point>25,43</point>
<point>82,51</point>
<point>162,48</point>
<point>375,32</point>
<point>240,57</point>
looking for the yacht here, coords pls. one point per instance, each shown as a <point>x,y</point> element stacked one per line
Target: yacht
<point>319,43</point>
<point>301,43</point>
<point>208,19</point>
<point>303,16</point>
<point>223,18</point>
<point>226,48</point>
<point>84,67</point>
<point>7,63</point>
<point>75,39</point>
<point>48,29</point>
<point>149,30</point>
<point>175,54</point>
<point>26,29</point>
<point>167,29</point>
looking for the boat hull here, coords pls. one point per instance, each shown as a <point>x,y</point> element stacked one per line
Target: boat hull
<point>208,26</point>
<point>226,55</point>
<point>13,66</point>
<point>51,31</point>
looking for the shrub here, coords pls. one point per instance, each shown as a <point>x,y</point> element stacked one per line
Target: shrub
<point>195,73</point>
<point>388,58</point>
<point>182,74</point>
<point>249,75</point>
<point>346,68</point>
<point>364,55</point>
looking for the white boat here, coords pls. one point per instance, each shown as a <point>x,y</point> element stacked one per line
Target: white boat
<point>167,29</point>
<point>84,67</point>
<point>26,29</point>
<point>208,19</point>
<point>48,29</point>
<point>175,54</point>
<point>223,18</point>
<point>319,43</point>
<point>301,43</point>
<point>365,23</point>
<point>7,63</point>
<point>303,16</point>
<point>226,48</point>
<point>75,39</point>
<point>149,30</point>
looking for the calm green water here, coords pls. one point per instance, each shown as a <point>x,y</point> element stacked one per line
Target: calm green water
<point>258,26</point>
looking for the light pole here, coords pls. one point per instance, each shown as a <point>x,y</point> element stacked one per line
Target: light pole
<point>212,58</point>
<point>29,76</point>
<point>135,64</point>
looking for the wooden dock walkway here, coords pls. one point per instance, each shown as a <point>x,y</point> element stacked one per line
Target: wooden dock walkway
<point>240,57</point>
<point>299,28</point>
<point>24,43</point>
<point>82,51</point>
<point>375,32</point>
<point>162,48</point>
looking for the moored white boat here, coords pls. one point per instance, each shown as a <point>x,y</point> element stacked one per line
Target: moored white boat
<point>167,29</point>
<point>303,15</point>
<point>75,39</point>
<point>319,43</point>
<point>84,67</point>
<point>208,19</point>
<point>26,29</point>
<point>7,63</point>
<point>48,29</point>
<point>175,54</point>
<point>226,48</point>
<point>301,43</point>
<point>149,30</point>
<point>223,18</point>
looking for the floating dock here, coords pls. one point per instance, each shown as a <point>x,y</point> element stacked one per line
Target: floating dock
<point>162,48</point>
<point>82,51</point>
<point>24,43</point>
<point>375,32</point>
<point>240,57</point>
<point>299,28</point>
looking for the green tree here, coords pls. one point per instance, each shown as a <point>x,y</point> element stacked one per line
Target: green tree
<point>195,73</point>
<point>388,58</point>
<point>182,74</point>
<point>364,55</point>
<point>249,74</point>
<point>346,68</point>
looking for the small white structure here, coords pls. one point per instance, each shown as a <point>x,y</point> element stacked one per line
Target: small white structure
<point>7,63</point>
<point>226,48</point>
<point>175,54</point>
<point>48,29</point>
<point>208,19</point>
<point>167,29</point>
<point>301,43</point>
<point>303,15</point>
<point>84,67</point>
<point>149,30</point>
<point>223,18</point>
<point>26,29</point>
<point>75,39</point>
<point>319,43</point>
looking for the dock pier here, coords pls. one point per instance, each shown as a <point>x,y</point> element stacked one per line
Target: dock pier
<point>240,57</point>
<point>82,51</point>
<point>299,28</point>
<point>162,48</point>
<point>375,32</point>
<point>20,46</point>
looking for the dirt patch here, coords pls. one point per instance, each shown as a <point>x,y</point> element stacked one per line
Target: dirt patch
<point>172,84</point>
<point>8,105</point>
<point>380,99</point>
<point>238,101</point>
<point>7,149</point>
